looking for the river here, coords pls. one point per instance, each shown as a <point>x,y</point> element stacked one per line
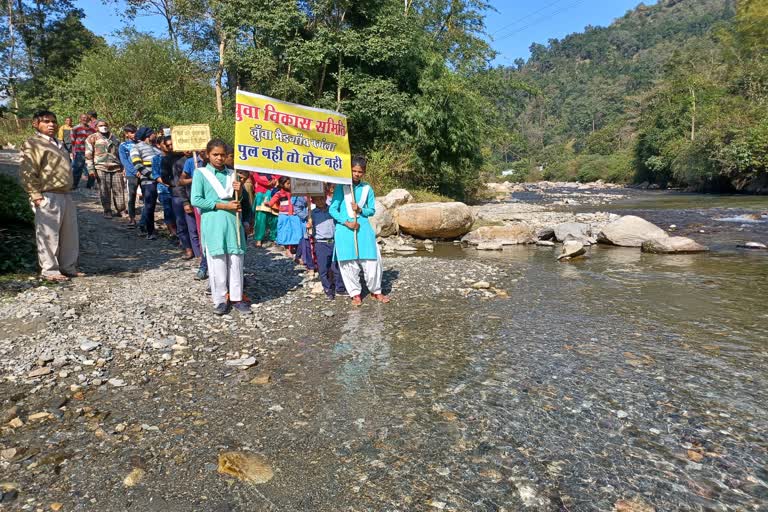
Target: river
<point>623,381</point>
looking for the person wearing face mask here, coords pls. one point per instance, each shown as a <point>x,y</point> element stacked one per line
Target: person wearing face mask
<point>103,161</point>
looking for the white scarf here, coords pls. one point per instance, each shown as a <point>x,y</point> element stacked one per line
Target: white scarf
<point>223,193</point>
<point>349,198</point>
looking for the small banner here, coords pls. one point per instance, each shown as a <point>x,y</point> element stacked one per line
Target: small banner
<point>191,137</point>
<point>277,137</point>
<point>301,187</point>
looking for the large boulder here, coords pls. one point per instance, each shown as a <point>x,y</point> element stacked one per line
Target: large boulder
<point>572,231</point>
<point>672,245</point>
<point>396,197</point>
<point>630,231</point>
<point>383,223</point>
<point>434,220</point>
<point>512,234</point>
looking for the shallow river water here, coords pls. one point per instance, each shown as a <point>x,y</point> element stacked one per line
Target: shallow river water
<point>623,381</point>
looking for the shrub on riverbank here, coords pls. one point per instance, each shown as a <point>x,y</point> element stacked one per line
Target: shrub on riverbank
<point>17,235</point>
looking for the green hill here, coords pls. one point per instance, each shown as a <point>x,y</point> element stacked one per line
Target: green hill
<point>618,102</point>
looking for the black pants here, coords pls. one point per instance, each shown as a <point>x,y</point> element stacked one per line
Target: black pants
<point>133,188</point>
<point>149,191</point>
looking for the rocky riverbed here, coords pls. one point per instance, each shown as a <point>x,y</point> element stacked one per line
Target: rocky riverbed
<point>497,381</point>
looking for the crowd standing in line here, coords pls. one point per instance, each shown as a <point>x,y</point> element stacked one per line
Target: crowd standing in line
<point>210,210</point>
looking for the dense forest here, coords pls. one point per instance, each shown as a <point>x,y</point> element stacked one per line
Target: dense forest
<point>673,93</point>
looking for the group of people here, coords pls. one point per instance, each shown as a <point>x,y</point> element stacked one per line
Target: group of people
<point>210,210</point>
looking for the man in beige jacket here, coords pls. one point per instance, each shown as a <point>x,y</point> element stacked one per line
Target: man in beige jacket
<point>47,177</point>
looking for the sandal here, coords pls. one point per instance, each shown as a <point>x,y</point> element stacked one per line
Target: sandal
<point>357,300</point>
<point>381,298</point>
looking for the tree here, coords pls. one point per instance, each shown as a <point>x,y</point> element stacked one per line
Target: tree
<point>51,41</point>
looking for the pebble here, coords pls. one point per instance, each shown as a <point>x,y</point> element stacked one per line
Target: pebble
<point>39,416</point>
<point>245,362</point>
<point>622,414</point>
<point>118,383</point>
<point>481,285</point>
<point>88,346</point>
<point>40,372</point>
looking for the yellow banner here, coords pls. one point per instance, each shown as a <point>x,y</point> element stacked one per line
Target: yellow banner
<point>277,137</point>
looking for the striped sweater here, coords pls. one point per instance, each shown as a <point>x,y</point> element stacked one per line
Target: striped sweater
<point>141,158</point>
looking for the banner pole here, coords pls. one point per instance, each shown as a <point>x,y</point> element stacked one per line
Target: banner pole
<point>237,215</point>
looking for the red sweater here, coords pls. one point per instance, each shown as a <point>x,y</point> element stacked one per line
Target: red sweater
<point>283,199</point>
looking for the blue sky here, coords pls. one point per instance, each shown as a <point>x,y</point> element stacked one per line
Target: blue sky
<point>513,29</point>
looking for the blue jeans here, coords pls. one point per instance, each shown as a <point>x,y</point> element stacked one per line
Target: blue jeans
<point>183,230</point>
<point>149,191</point>
<point>78,168</point>
<point>169,217</point>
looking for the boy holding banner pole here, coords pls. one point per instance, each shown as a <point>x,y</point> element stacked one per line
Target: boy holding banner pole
<point>355,245</point>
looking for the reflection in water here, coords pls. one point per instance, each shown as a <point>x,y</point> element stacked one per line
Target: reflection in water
<point>362,346</point>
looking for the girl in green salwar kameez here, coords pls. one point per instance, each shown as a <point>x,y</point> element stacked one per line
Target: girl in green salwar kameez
<point>213,190</point>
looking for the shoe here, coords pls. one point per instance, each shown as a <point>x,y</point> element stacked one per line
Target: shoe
<point>107,215</point>
<point>201,274</point>
<point>142,231</point>
<point>357,300</point>
<point>343,293</point>
<point>221,309</point>
<point>131,225</point>
<point>117,215</point>
<point>242,307</point>
<point>330,296</point>
<point>208,289</point>
<point>152,237</point>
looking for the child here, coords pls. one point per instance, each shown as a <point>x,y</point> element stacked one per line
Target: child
<point>351,208</point>
<point>290,228</point>
<point>213,189</point>
<point>265,221</point>
<point>190,165</point>
<point>163,192</point>
<point>304,252</point>
<point>323,228</point>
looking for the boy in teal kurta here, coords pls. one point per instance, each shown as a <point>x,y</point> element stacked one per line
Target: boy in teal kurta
<point>213,189</point>
<point>351,208</point>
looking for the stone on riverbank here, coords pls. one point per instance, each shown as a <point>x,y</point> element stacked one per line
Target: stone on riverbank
<point>397,197</point>
<point>435,220</point>
<point>672,245</point>
<point>489,246</point>
<point>512,234</point>
<point>753,245</point>
<point>244,466</point>
<point>573,231</point>
<point>571,249</point>
<point>383,223</point>
<point>630,231</point>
